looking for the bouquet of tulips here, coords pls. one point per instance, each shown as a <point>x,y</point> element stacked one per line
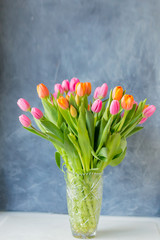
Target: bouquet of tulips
<point>89,135</point>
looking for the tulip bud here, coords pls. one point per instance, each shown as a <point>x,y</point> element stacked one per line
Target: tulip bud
<point>81,89</point>
<point>136,104</point>
<point>114,107</point>
<point>65,85</point>
<point>73,111</point>
<point>36,113</point>
<point>96,92</point>
<point>88,88</point>
<point>23,104</point>
<point>143,120</point>
<point>73,83</point>
<point>58,88</point>
<point>77,99</point>
<point>63,102</point>
<point>42,90</point>
<point>147,112</point>
<point>88,107</point>
<point>96,106</point>
<point>55,95</point>
<point>103,90</point>
<point>117,93</point>
<point>25,121</point>
<point>122,114</point>
<point>127,102</point>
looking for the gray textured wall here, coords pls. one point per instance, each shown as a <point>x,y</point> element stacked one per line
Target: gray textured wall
<point>114,41</point>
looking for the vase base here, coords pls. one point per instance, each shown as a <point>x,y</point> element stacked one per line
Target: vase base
<point>84,236</point>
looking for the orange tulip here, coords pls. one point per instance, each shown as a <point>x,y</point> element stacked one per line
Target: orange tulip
<point>42,90</point>
<point>63,102</point>
<point>88,88</point>
<point>73,111</point>
<point>127,102</point>
<point>80,89</point>
<point>88,107</point>
<point>145,106</point>
<point>117,93</point>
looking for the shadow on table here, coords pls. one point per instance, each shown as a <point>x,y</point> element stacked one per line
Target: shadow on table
<point>115,232</point>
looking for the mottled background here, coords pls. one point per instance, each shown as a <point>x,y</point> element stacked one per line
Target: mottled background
<point>114,41</point>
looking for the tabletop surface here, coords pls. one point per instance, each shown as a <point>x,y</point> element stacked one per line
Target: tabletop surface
<point>46,226</point>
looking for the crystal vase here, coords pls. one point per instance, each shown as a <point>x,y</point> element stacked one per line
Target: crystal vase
<point>84,198</point>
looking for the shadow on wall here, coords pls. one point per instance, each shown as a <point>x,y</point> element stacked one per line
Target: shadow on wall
<point>3,191</point>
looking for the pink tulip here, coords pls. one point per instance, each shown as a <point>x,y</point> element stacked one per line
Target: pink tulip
<point>36,113</point>
<point>65,85</point>
<point>23,104</point>
<point>73,83</point>
<point>96,106</point>
<point>58,88</point>
<point>96,92</point>
<point>149,111</point>
<point>101,92</point>
<point>143,120</point>
<point>24,120</point>
<point>136,104</point>
<point>122,114</point>
<point>69,93</point>
<point>55,95</point>
<point>114,107</point>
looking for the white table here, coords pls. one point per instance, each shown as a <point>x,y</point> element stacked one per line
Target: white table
<point>45,226</point>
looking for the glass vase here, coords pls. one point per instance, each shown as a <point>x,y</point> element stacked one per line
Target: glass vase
<point>84,198</point>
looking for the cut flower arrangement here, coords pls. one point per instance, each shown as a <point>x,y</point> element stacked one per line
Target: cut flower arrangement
<point>89,135</point>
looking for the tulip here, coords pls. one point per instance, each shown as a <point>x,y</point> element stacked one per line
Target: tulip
<point>81,89</point>
<point>117,93</point>
<point>77,99</point>
<point>58,88</point>
<point>73,83</point>
<point>127,102</point>
<point>88,88</point>
<point>73,111</point>
<point>96,92</point>
<point>55,95</point>
<point>65,85</point>
<point>36,113</point>
<point>23,104</point>
<point>136,104</point>
<point>88,107</point>
<point>148,111</point>
<point>63,102</point>
<point>122,114</point>
<point>96,106</point>
<point>42,90</point>
<point>143,120</point>
<point>114,107</point>
<point>25,121</point>
<point>101,92</point>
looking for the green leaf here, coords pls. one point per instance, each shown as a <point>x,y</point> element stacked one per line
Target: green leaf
<point>50,111</point>
<point>37,133</point>
<point>113,145</point>
<point>119,159</point>
<point>106,113</point>
<point>70,121</point>
<point>135,130</point>
<point>58,159</point>
<point>72,101</point>
<point>105,134</point>
<point>90,126</point>
<point>102,155</point>
<point>83,137</point>
<point>51,127</point>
